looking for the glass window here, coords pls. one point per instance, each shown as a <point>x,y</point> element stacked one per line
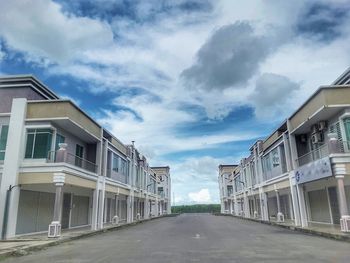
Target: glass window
<point>79,153</point>
<point>3,140</point>
<point>115,163</point>
<point>59,139</point>
<point>275,158</point>
<point>347,128</point>
<point>38,143</point>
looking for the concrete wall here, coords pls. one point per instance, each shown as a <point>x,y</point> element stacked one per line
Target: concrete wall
<point>62,109</point>
<point>7,94</point>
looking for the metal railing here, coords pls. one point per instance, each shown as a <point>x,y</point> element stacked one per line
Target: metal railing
<point>117,176</point>
<point>324,151</point>
<point>73,160</point>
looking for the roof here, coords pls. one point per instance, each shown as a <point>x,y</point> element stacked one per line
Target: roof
<point>21,80</point>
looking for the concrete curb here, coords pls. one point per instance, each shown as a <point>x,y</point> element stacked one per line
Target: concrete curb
<point>24,250</point>
<point>339,237</point>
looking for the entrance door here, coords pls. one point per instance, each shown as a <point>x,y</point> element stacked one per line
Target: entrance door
<point>67,198</point>
<point>333,200</point>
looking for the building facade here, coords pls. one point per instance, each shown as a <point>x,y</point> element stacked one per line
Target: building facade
<point>164,189</point>
<point>301,172</point>
<point>60,169</point>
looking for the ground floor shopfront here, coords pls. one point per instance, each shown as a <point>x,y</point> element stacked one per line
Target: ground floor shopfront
<point>316,202</point>
<point>41,200</point>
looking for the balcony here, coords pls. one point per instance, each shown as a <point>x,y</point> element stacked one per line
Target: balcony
<point>66,157</point>
<point>331,147</point>
<point>117,176</point>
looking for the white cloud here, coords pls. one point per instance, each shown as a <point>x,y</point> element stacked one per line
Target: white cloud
<point>2,53</point>
<point>200,197</point>
<point>74,100</point>
<point>41,29</point>
<point>151,56</point>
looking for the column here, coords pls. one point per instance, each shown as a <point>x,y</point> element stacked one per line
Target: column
<point>146,207</point>
<point>101,202</point>
<point>280,216</point>
<point>116,217</point>
<point>55,226</point>
<point>340,172</point>
<point>9,189</point>
<point>231,209</point>
<point>302,206</point>
<point>94,214</point>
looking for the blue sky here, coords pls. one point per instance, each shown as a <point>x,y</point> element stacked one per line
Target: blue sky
<point>194,83</point>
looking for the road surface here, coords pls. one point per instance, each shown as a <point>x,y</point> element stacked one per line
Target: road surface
<point>196,238</point>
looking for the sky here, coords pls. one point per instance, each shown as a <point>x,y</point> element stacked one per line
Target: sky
<point>193,82</point>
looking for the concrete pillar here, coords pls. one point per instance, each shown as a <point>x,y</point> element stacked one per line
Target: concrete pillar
<point>295,203</point>
<point>146,207</point>
<point>280,216</point>
<point>9,189</point>
<point>263,204</point>
<point>333,143</point>
<point>55,226</point>
<point>302,206</point>
<point>246,205</point>
<point>340,172</point>
<point>94,214</point>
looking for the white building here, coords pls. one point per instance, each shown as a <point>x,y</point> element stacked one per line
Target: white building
<point>301,172</point>
<point>59,167</point>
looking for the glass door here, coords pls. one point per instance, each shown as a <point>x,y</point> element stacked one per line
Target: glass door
<point>79,153</point>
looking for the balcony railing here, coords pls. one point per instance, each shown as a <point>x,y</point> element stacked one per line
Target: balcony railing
<point>117,176</point>
<point>323,151</point>
<point>73,160</point>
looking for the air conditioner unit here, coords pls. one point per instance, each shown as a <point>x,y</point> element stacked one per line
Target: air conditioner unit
<point>322,125</point>
<point>317,138</point>
<point>314,128</point>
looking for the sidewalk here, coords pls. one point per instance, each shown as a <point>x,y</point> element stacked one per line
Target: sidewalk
<point>22,245</point>
<point>323,230</point>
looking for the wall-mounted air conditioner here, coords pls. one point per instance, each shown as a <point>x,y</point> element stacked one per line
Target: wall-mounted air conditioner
<point>317,138</point>
<point>322,125</point>
<point>314,128</point>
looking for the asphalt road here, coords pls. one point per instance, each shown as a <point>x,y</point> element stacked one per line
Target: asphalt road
<point>196,238</point>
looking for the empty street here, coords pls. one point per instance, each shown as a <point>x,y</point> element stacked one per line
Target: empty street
<point>196,238</point>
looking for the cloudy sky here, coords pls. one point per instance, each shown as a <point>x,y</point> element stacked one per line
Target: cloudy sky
<point>193,82</point>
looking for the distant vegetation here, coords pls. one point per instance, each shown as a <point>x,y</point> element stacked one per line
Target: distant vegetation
<point>212,208</point>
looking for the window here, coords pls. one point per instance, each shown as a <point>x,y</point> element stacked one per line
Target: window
<point>275,157</point>
<point>79,153</point>
<point>3,140</point>
<point>59,139</point>
<point>115,163</point>
<point>347,128</point>
<point>38,143</point>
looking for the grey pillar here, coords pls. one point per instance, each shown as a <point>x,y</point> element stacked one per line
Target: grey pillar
<point>58,203</point>
<point>280,216</point>
<point>55,226</point>
<point>343,207</point>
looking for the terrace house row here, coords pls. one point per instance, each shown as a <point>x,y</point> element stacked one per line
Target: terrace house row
<point>301,172</point>
<point>60,169</point>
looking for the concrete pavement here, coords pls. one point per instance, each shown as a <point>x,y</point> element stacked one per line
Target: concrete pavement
<point>196,238</point>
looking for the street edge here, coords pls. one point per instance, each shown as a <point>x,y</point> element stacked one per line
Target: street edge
<point>22,251</point>
<point>344,238</point>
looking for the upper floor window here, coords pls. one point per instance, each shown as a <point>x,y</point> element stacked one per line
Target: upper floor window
<point>347,128</point>
<point>3,140</point>
<point>38,143</point>
<point>59,139</point>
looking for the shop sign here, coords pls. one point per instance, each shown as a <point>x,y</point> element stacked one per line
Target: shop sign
<point>314,171</point>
